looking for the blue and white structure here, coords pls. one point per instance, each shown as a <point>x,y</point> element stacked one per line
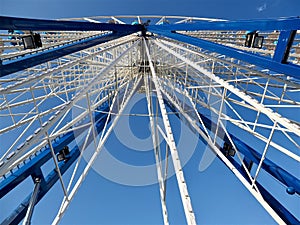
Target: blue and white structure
<point>236,84</point>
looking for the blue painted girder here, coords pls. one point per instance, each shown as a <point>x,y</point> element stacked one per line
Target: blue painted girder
<point>38,161</point>
<point>284,45</point>
<point>274,170</point>
<point>28,61</point>
<point>14,23</point>
<point>292,23</point>
<point>261,61</point>
<point>17,216</point>
<point>284,213</point>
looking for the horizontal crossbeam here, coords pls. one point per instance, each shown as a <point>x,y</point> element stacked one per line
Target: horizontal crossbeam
<point>14,23</point>
<point>32,60</point>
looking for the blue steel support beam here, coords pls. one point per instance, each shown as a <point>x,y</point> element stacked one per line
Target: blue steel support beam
<point>276,171</point>
<point>277,206</point>
<point>264,24</point>
<point>14,23</point>
<point>261,61</point>
<point>18,214</point>
<point>28,61</point>
<point>286,216</point>
<point>284,45</point>
<point>33,166</point>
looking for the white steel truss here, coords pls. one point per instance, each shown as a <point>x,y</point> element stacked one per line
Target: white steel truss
<point>37,104</point>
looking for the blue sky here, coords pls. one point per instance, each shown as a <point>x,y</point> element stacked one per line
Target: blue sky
<point>229,9</point>
<point>217,196</point>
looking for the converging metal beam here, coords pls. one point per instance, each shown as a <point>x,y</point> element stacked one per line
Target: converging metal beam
<point>251,154</point>
<point>292,23</point>
<point>227,162</point>
<point>261,61</point>
<point>14,23</point>
<point>107,129</point>
<point>267,111</point>
<point>13,160</point>
<point>185,197</point>
<point>32,60</point>
<point>104,136</point>
<point>48,72</point>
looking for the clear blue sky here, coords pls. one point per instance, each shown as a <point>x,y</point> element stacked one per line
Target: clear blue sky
<point>217,196</point>
<point>230,9</point>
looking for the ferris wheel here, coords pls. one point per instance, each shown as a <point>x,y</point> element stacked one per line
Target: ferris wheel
<point>65,84</point>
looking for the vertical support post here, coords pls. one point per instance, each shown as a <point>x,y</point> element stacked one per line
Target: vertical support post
<point>37,184</point>
<point>285,42</point>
